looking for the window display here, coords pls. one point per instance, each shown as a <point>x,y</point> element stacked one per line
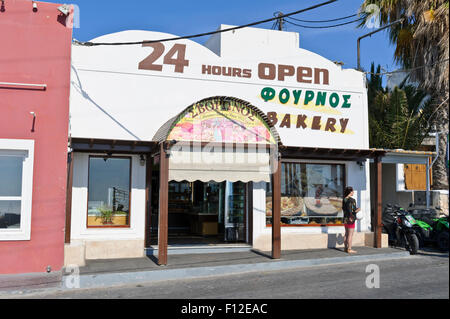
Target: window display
<point>310,194</point>
<point>109,192</point>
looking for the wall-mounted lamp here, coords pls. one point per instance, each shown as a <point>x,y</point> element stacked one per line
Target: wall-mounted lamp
<point>142,160</point>
<point>34,120</point>
<point>2,7</point>
<point>35,8</point>
<point>107,156</point>
<point>167,146</point>
<point>361,164</point>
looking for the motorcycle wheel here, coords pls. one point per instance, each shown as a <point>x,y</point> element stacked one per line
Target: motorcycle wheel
<point>413,242</point>
<point>399,240</point>
<point>442,241</point>
<point>421,235</point>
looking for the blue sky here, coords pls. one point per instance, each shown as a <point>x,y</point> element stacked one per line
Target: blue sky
<point>99,17</point>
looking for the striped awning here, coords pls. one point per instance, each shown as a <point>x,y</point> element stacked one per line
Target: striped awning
<point>219,164</point>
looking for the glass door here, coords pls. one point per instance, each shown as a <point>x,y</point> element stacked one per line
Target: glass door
<point>235,207</point>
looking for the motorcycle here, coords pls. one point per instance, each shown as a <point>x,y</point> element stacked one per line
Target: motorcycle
<point>438,232</point>
<point>401,230</point>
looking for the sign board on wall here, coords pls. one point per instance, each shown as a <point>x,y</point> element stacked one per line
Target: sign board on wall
<point>222,122</point>
<point>129,92</point>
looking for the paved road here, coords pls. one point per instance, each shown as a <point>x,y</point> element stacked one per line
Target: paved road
<point>420,276</point>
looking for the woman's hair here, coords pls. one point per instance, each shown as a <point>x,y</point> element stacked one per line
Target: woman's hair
<point>347,191</point>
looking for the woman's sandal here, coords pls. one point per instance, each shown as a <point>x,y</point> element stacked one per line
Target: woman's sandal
<point>351,251</point>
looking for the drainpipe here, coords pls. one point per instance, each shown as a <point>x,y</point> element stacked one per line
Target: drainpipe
<point>437,149</point>
<point>428,184</point>
<point>428,168</point>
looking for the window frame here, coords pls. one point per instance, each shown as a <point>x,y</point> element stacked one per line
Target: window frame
<point>11,147</point>
<point>130,159</point>
<point>344,164</point>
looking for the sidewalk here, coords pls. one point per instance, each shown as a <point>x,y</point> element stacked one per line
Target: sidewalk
<point>107,273</point>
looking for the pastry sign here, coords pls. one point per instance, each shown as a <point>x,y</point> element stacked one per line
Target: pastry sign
<point>225,122</point>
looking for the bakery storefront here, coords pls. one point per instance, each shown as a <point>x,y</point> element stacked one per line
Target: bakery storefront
<point>245,141</point>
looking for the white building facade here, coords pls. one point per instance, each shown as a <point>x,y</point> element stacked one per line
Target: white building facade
<point>123,96</point>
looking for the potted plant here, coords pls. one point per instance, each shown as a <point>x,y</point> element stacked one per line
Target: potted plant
<point>106,215</point>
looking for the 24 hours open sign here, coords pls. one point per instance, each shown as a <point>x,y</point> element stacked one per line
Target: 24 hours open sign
<point>329,105</point>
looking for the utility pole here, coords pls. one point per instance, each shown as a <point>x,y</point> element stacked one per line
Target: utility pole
<point>280,21</point>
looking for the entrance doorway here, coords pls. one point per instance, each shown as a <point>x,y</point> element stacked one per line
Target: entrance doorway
<point>221,139</point>
<point>202,212</point>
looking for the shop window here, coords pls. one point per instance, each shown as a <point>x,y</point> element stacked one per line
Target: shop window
<point>311,194</point>
<point>16,182</point>
<point>109,192</point>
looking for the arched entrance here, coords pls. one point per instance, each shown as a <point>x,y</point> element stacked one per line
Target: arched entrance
<point>215,119</point>
<point>209,156</point>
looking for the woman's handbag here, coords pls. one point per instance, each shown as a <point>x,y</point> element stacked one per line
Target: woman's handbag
<point>359,215</point>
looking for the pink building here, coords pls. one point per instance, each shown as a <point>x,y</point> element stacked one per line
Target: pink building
<point>35,56</point>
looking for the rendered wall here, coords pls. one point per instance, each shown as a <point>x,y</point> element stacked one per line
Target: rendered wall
<point>129,92</point>
<point>36,48</point>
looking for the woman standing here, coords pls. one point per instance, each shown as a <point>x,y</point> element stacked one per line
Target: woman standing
<point>350,210</point>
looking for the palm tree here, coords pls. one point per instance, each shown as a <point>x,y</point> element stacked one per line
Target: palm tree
<point>421,39</point>
<point>397,118</point>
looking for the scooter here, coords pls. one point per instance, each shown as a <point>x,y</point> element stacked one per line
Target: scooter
<point>401,231</point>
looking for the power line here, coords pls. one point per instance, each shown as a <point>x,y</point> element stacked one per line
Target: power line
<point>408,70</point>
<point>322,21</point>
<point>275,25</point>
<point>323,27</point>
<point>208,33</point>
